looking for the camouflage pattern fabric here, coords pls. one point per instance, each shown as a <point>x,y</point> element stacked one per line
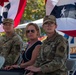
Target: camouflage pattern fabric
<point>10,48</point>
<point>53,56</point>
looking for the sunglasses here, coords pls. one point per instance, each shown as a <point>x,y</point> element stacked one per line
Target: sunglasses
<point>28,31</point>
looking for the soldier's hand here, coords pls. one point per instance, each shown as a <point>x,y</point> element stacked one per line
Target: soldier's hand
<point>15,66</point>
<point>7,67</point>
<point>33,69</point>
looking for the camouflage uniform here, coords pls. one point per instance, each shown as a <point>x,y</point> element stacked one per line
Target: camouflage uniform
<point>53,55</point>
<point>10,48</point>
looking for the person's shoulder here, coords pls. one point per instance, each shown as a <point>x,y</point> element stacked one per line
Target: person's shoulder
<point>39,42</point>
<point>61,38</point>
<point>2,37</point>
<point>17,39</point>
<point>17,36</point>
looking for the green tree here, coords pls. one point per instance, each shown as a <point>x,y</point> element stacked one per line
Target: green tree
<point>35,9</point>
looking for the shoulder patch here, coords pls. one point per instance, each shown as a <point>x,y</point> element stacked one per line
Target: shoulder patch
<point>61,49</point>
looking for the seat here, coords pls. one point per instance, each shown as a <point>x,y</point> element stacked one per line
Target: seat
<point>2,61</point>
<point>71,66</point>
<point>9,73</point>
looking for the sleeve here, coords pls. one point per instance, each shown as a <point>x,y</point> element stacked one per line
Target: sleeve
<point>39,59</point>
<point>17,45</point>
<point>59,60</point>
<point>1,44</point>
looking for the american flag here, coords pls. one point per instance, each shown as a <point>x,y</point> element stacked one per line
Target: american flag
<point>65,13</point>
<point>11,9</point>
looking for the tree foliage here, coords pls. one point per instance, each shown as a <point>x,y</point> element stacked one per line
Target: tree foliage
<point>35,9</point>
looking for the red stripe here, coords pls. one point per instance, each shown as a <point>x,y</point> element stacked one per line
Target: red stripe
<point>2,2</point>
<point>22,5</point>
<point>70,33</point>
<point>45,1</point>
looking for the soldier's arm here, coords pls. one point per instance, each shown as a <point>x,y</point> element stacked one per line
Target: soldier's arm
<point>17,46</point>
<point>58,61</point>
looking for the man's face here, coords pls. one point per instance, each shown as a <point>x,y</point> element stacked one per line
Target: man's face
<point>8,27</point>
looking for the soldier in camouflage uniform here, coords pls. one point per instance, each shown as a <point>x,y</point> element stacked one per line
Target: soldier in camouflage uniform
<point>11,43</point>
<point>53,53</point>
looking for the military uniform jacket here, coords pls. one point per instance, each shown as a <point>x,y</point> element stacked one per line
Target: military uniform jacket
<point>10,48</point>
<point>53,55</point>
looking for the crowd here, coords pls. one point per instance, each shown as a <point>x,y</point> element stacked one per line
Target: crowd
<point>38,58</point>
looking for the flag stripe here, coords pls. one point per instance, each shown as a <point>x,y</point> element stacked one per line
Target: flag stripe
<point>20,12</point>
<point>50,4</point>
<point>13,9</point>
<point>45,1</point>
<point>71,33</point>
<point>66,24</point>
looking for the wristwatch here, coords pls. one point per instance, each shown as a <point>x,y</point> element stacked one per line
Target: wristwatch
<point>18,66</point>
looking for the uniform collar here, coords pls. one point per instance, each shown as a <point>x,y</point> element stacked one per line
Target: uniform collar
<point>13,34</point>
<point>52,38</point>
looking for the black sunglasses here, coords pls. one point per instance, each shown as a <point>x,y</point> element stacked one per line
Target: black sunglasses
<point>28,31</point>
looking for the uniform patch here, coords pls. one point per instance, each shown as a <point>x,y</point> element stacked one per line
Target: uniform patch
<point>18,47</point>
<point>61,49</point>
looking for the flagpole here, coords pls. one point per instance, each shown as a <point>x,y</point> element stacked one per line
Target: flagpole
<point>69,39</point>
<point>69,51</point>
<point>69,47</point>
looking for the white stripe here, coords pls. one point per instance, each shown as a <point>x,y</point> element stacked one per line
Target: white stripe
<point>50,5</point>
<point>66,24</point>
<point>1,10</point>
<point>1,28</point>
<point>14,8</point>
<point>65,2</point>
